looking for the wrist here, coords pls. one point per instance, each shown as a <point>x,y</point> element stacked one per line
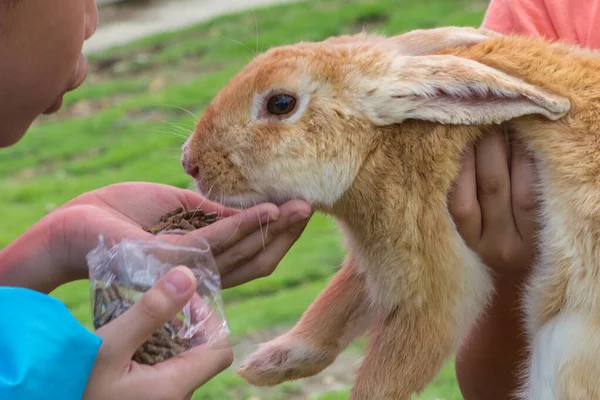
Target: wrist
<point>30,261</point>
<point>509,286</point>
<point>509,279</point>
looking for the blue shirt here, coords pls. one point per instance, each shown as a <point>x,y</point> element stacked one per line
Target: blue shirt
<point>45,353</point>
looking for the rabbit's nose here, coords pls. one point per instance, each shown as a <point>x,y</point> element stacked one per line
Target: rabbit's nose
<point>189,167</point>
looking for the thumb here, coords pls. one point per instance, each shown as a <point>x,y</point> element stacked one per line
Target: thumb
<point>156,307</point>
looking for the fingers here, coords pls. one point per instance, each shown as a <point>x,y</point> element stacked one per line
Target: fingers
<point>264,263</point>
<point>493,203</point>
<point>284,232</point>
<point>157,306</point>
<point>463,203</point>
<point>524,199</point>
<point>262,234</point>
<point>194,201</point>
<point>196,367</point>
<point>493,183</point>
<point>225,233</point>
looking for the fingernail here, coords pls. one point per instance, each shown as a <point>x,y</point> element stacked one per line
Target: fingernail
<point>266,217</point>
<point>297,217</point>
<point>179,281</point>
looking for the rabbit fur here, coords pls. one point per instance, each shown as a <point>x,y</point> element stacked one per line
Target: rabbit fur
<point>375,139</point>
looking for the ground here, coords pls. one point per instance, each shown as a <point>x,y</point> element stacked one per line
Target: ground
<point>128,122</point>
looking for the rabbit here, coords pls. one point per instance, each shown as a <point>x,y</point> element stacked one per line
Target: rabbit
<point>371,130</point>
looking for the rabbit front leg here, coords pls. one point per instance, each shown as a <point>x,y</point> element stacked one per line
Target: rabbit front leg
<point>330,324</point>
<point>406,350</point>
<point>415,332</point>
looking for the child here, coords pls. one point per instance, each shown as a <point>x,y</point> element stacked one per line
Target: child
<point>44,352</point>
<point>494,206</point>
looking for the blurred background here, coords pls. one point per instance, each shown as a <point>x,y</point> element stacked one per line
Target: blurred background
<point>155,65</point>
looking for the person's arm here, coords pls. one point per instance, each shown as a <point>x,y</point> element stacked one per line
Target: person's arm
<point>45,353</point>
<point>490,361</point>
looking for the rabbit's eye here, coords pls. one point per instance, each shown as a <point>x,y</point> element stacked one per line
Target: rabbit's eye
<point>281,104</point>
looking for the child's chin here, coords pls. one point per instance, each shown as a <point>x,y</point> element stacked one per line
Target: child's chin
<point>55,106</point>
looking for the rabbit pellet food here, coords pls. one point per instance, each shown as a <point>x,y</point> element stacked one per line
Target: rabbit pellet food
<point>184,220</point>
<point>163,344</point>
<point>112,301</point>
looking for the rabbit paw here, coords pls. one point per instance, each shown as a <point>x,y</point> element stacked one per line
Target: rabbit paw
<point>284,359</point>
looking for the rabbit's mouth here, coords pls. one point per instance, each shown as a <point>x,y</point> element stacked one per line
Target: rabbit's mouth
<point>251,198</point>
<point>243,200</point>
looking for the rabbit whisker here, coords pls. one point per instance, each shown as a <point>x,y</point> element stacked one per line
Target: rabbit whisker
<point>196,118</point>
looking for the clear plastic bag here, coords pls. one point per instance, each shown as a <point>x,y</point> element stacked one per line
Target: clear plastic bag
<point>122,272</point>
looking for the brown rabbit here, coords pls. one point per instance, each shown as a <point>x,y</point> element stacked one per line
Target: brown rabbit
<point>370,130</point>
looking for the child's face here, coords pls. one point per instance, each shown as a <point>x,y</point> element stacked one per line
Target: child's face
<point>40,58</point>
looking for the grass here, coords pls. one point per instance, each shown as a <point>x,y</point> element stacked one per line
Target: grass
<point>128,121</point>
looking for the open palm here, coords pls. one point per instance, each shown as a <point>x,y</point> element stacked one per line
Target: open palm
<point>246,244</point>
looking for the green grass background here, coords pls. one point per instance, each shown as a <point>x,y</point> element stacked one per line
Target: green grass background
<point>129,120</point>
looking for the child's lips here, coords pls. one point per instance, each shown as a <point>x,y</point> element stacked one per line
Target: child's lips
<point>80,75</point>
<point>54,107</point>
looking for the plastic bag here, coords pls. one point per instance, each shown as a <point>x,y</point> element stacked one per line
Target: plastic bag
<point>121,273</point>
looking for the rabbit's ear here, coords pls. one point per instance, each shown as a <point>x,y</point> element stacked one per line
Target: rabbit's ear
<point>421,42</point>
<point>454,90</point>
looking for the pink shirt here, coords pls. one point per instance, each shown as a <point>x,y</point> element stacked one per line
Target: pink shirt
<point>575,21</point>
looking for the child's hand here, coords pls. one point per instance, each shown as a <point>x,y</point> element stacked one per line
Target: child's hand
<point>115,376</point>
<point>493,205</point>
<point>246,245</point>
